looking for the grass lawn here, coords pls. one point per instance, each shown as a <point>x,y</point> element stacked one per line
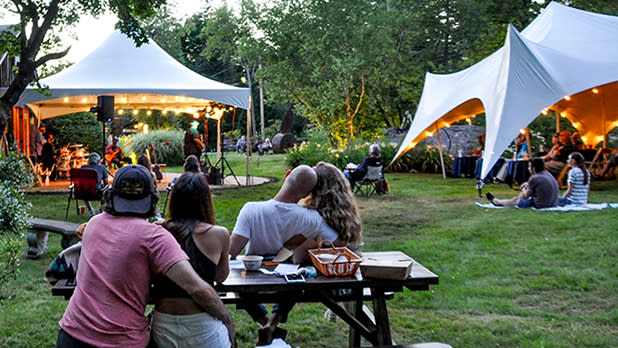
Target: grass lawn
<point>508,277</point>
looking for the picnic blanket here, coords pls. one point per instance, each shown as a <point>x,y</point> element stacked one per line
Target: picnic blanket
<point>568,207</point>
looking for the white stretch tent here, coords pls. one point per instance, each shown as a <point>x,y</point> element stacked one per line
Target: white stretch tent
<point>565,53</point>
<point>139,77</point>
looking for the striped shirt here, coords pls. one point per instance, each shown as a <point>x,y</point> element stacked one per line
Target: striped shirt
<point>579,194</point>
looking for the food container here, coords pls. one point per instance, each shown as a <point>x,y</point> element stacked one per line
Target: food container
<point>386,269</point>
<point>334,261</point>
<point>252,262</point>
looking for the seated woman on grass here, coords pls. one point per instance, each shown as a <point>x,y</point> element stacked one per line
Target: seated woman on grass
<point>578,181</point>
<point>177,319</point>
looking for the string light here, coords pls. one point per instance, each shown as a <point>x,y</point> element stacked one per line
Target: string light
<point>135,112</point>
<point>162,100</point>
<point>595,91</point>
<point>120,111</point>
<point>123,99</point>
<point>66,99</point>
<point>84,100</point>
<point>144,98</point>
<point>522,131</point>
<point>545,111</point>
<point>563,114</point>
<point>567,97</point>
<point>149,112</point>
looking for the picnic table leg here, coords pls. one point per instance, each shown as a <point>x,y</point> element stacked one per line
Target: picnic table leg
<point>357,308</point>
<point>381,315</point>
<point>349,319</point>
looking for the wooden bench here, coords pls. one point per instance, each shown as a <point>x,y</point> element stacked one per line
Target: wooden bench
<point>39,231</point>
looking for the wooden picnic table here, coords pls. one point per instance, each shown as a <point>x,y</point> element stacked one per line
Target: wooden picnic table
<point>264,288</point>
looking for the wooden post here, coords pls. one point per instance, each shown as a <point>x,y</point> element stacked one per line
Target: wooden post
<point>441,156</point>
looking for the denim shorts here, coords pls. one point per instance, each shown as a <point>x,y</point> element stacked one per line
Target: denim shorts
<point>525,203</point>
<point>192,330</point>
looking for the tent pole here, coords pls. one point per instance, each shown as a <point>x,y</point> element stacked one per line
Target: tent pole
<point>249,145</point>
<point>603,116</point>
<point>557,121</point>
<point>440,149</point>
<point>528,141</point>
<point>218,139</point>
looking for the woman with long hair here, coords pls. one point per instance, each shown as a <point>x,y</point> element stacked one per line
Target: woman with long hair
<point>578,181</point>
<point>178,321</point>
<point>333,198</point>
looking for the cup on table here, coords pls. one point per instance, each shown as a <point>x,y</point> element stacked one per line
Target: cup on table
<point>252,262</point>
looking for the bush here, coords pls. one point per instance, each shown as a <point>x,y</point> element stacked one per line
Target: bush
<point>168,145</point>
<point>13,169</point>
<point>13,225</point>
<point>317,149</point>
<point>422,159</point>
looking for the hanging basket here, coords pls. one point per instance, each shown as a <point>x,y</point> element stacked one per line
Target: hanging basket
<point>334,261</point>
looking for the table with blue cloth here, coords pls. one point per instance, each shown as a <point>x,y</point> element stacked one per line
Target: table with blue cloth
<point>464,166</point>
<point>517,172</point>
<point>493,172</point>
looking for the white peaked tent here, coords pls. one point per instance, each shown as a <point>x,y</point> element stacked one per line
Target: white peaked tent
<point>566,60</point>
<point>139,77</point>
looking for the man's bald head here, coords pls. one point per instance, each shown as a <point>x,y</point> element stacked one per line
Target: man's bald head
<point>301,181</point>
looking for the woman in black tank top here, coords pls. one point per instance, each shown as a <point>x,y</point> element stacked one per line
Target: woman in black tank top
<point>178,320</point>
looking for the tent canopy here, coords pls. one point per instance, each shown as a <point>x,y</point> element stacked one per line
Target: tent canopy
<point>565,61</point>
<point>144,77</point>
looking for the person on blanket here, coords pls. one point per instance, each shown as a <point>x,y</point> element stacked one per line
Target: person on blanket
<point>578,182</point>
<point>541,190</point>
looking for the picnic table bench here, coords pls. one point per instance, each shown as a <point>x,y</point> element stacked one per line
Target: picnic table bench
<point>39,232</point>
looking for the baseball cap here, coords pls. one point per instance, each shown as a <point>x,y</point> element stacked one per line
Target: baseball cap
<point>133,188</point>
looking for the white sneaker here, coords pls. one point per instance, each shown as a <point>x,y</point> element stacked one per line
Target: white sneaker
<point>330,316</point>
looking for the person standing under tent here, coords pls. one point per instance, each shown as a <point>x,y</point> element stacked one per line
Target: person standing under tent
<point>193,145</point>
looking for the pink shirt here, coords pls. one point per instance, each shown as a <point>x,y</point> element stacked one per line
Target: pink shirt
<point>119,255</point>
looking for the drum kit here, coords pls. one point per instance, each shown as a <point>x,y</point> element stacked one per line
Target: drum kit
<point>71,156</point>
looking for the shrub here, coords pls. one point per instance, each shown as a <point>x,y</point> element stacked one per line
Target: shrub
<point>317,149</point>
<point>13,169</point>
<point>423,159</point>
<point>13,225</point>
<point>168,145</point>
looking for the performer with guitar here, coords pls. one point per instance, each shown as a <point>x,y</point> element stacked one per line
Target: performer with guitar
<point>114,156</point>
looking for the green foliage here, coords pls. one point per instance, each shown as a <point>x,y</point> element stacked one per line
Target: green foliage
<point>316,149</point>
<point>80,128</point>
<point>168,145</point>
<point>15,171</point>
<point>422,159</point>
<point>13,225</point>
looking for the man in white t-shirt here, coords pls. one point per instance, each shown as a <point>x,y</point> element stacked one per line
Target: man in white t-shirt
<point>264,228</point>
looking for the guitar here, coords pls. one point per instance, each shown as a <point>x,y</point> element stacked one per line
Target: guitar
<point>109,156</point>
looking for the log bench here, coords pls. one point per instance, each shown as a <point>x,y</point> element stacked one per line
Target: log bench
<point>39,232</point>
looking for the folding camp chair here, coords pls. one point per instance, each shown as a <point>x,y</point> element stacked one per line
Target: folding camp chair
<point>83,187</point>
<point>368,185</point>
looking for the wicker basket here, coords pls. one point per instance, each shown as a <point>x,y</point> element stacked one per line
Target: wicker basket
<point>343,262</point>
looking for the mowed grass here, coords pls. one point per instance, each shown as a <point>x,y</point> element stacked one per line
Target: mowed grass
<point>508,277</point>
